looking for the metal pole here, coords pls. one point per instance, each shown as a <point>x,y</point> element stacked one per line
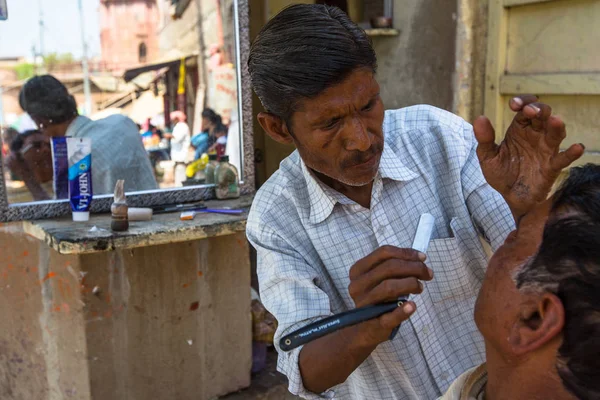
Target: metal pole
<point>41,30</point>
<point>84,63</point>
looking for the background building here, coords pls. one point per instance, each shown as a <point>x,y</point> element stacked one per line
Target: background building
<point>128,33</point>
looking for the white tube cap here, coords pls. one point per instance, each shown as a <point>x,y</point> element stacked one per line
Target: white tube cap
<point>81,216</point>
<point>139,214</point>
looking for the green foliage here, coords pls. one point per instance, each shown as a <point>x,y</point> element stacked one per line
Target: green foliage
<point>54,60</point>
<point>25,71</point>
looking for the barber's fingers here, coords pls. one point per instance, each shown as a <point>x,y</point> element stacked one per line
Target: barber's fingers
<point>517,103</point>
<point>389,290</point>
<point>556,131</point>
<point>486,138</point>
<point>392,319</point>
<point>381,255</point>
<point>565,158</point>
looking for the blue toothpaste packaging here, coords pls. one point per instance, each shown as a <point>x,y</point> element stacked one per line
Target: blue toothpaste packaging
<point>60,160</point>
<point>80,177</point>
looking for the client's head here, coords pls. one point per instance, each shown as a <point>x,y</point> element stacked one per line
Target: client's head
<point>539,307</point>
<point>34,150</point>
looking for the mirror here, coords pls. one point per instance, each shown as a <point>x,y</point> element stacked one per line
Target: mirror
<point>155,85</point>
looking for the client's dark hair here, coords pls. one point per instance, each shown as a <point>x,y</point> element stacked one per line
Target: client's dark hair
<point>17,144</point>
<point>302,51</point>
<point>568,265</point>
<point>45,97</point>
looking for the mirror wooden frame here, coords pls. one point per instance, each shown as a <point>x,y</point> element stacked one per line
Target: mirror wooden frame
<point>59,208</point>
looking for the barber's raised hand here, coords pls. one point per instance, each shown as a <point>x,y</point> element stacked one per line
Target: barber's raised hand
<point>382,276</point>
<point>526,164</point>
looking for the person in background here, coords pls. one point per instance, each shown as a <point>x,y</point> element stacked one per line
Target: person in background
<point>117,150</point>
<point>180,145</point>
<point>220,145</point>
<point>538,307</point>
<point>180,138</point>
<point>203,141</point>
<point>146,130</point>
<point>30,159</point>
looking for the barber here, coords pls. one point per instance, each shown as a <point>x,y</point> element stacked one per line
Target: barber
<point>333,226</point>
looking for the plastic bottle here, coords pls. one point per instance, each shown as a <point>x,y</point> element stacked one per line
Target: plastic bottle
<point>227,180</point>
<point>209,171</point>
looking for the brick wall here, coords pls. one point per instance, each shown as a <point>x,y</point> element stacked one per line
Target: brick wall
<point>124,26</point>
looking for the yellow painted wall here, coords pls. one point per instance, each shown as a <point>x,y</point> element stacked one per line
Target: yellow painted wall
<point>274,6</point>
<point>548,48</point>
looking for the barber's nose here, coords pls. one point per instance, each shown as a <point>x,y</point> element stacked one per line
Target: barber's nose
<point>358,138</point>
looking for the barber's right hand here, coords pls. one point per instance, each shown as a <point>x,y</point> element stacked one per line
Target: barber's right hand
<point>385,275</point>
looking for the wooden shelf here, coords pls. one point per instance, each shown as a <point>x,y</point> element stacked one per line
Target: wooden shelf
<point>382,32</point>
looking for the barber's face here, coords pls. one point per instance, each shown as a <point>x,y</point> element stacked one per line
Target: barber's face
<point>339,133</point>
<point>498,304</point>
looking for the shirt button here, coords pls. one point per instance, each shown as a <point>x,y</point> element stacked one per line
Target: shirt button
<point>425,330</point>
<point>444,376</point>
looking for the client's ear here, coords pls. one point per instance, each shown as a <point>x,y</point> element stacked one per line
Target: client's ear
<point>542,319</point>
<point>275,127</point>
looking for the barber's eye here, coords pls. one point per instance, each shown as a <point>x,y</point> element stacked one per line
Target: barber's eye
<point>368,107</point>
<point>332,124</point>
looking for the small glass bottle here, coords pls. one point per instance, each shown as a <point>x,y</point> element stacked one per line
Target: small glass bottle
<point>209,171</point>
<point>119,209</point>
<point>227,180</point>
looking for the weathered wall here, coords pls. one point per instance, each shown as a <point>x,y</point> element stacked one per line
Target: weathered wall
<point>417,66</point>
<point>182,36</point>
<point>471,49</point>
<point>167,321</point>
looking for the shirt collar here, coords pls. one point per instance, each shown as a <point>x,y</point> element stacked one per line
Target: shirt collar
<point>77,124</point>
<point>323,198</point>
<point>391,167</point>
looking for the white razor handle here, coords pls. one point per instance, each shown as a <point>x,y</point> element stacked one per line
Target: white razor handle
<point>423,236</point>
<point>424,232</point>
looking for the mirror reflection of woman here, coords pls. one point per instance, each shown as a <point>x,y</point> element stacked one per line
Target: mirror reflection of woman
<point>117,151</point>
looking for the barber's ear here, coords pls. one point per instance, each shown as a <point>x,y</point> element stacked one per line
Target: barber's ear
<point>541,320</point>
<point>275,127</point>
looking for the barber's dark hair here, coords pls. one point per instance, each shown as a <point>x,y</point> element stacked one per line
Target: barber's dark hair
<point>302,51</point>
<point>568,265</point>
<point>45,97</point>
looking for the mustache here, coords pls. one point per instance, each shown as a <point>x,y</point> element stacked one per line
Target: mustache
<point>361,157</point>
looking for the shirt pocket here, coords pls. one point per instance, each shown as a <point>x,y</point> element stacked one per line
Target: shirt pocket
<point>458,264</point>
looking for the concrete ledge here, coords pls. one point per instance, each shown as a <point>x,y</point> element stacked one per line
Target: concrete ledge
<point>68,237</point>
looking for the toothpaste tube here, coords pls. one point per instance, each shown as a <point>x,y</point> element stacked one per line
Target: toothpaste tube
<point>60,161</point>
<point>80,177</point>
